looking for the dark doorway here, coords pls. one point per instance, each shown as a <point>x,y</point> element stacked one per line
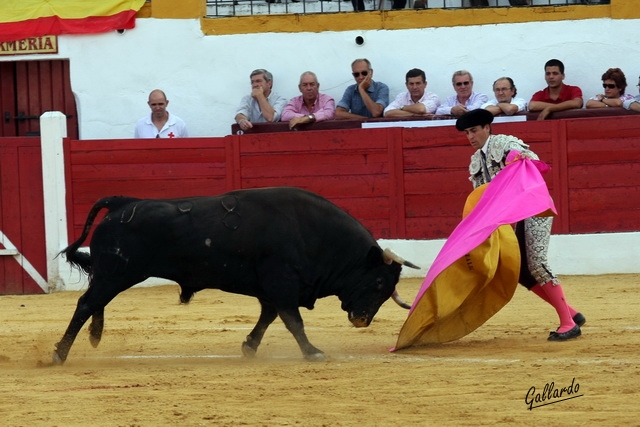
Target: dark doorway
<point>30,88</point>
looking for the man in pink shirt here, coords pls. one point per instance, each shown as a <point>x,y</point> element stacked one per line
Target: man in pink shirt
<point>311,106</point>
<point>557,96</point>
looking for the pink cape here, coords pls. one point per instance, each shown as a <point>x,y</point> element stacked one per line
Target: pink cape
<point>516,193</point>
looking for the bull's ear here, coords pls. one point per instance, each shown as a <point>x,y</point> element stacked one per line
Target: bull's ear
<point>374,257</point>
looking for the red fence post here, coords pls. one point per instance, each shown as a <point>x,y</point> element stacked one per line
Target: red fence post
<point>560,176</point>
<point>397,215</point>
<point>232,154</point>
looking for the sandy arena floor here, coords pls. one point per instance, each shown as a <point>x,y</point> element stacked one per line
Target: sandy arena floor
<point>165,364</point>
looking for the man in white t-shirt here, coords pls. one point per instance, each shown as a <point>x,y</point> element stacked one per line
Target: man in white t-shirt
<point>160,123</point>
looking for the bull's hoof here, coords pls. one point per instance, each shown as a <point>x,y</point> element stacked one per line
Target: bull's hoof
<point>56,360</point>
<point>247,350</point>
<point>316,357</point>
<point>94,340</point>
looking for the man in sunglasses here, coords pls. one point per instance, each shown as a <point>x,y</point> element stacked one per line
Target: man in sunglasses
<point>557,96</point>
<point>160,124</point>
<point>416,101</point>
<point>633,104</point>
<point>465,99</point>
<point>364,99</point>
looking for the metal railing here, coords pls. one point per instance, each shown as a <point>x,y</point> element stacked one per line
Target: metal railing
<point>226,8</point>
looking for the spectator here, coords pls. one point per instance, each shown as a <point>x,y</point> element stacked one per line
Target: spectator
<point>398,4</point>
<point>416,101</point>
<point>633,104</point>
<point>557,96</point>
<point>160,124</point>
<point>465,98</point>
<point>614,84</point>
<point>505,101</point>
<point>366,98</point>
<point>263,104</point>
<point>533,233</point>
<point>311,106</point>
<point>358,5</point>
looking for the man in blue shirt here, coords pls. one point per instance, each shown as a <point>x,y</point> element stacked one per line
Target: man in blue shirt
<point>366,98</point>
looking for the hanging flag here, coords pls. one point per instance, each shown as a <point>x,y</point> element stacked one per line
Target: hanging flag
<point>22,19</point>
<point>476,272</point>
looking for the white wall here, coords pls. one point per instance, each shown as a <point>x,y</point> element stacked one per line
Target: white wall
<point>569,254</point>
<point>205,76</point>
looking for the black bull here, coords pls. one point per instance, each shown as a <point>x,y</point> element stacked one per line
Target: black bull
<point>285,246</point>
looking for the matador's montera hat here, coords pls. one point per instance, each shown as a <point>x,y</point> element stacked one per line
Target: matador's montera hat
<point>478,117</point>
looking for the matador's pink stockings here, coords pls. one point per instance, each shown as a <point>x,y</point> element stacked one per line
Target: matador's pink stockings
<point>554,295</point>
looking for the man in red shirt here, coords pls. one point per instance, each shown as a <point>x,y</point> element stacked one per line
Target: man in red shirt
<point>557,96</point>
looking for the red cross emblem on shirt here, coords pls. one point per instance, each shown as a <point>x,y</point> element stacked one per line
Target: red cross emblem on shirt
<point>171,135</point>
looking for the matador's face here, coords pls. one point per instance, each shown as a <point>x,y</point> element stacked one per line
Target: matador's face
<point>478,135</point>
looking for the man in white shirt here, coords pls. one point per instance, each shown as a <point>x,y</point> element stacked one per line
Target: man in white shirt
<point>160,124</point>
<point>505,101</point>
<point>465,98</point>
<point>416,101</point>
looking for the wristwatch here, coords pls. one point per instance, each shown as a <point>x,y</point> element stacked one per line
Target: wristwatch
<point>311,117</point>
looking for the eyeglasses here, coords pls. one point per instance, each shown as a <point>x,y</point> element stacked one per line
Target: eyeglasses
<point>502,89</point>
<point>364,73</point>
<point>608,86</point>
<point>467,83</point>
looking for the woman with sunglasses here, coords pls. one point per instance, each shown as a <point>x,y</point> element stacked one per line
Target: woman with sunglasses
<point>614,83</point>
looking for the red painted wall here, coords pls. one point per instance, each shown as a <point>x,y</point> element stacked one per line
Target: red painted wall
<point>407,183</point>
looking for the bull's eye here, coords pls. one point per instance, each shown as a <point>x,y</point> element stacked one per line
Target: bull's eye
<point>379,283</point>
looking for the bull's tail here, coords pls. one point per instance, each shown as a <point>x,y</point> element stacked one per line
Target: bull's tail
<point>82,260</point>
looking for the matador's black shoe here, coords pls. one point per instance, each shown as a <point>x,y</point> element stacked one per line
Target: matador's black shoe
<point>574,332</point>
<point>579,319</point>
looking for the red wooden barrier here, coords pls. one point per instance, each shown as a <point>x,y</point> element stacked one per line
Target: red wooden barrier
<point>406,183</point>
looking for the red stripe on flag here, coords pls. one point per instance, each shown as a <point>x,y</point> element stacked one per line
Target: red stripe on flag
<point>55,25</point>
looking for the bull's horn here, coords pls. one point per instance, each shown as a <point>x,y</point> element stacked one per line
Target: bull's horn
<point>398,299</point>
<point>389,255</point>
